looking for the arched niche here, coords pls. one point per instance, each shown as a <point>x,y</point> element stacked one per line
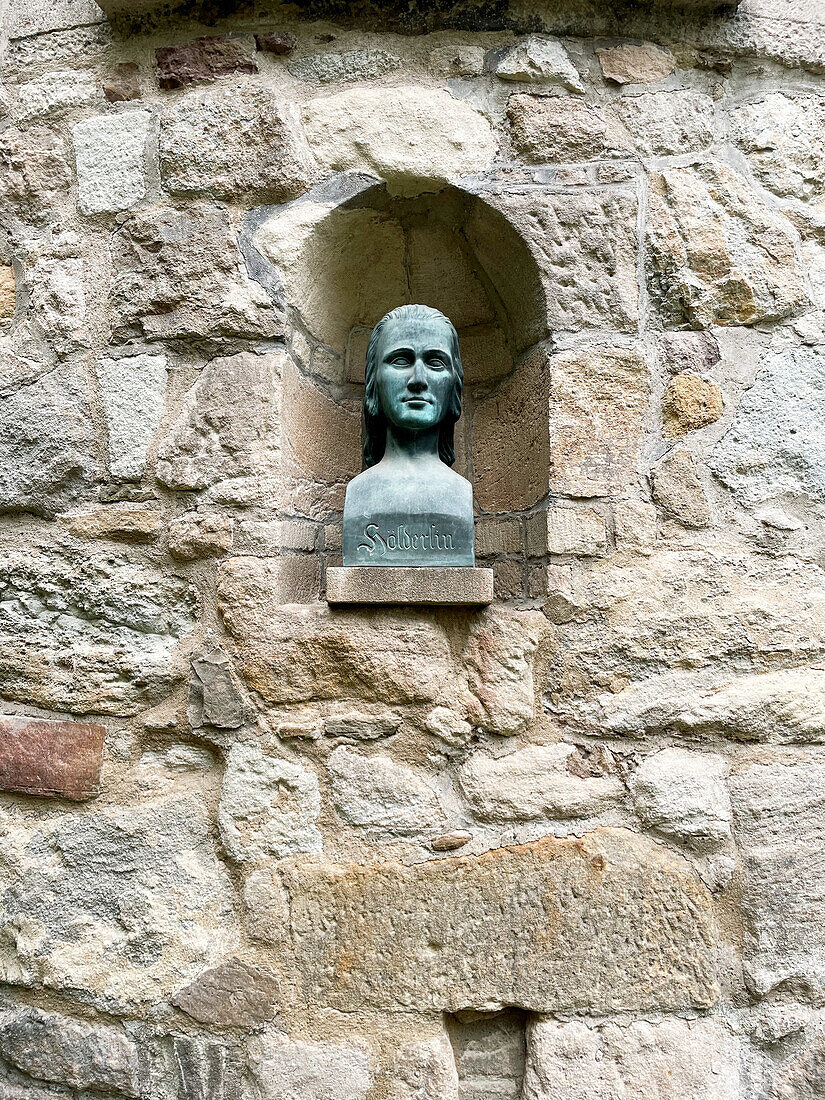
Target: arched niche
<point>342,259</point>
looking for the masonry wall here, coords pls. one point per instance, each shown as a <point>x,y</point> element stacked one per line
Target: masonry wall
<point>252,848</point>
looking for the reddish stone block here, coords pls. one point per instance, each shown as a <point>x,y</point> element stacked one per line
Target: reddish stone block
<point>201,60</point>
<point>281,43</point>
<point>53,759</point>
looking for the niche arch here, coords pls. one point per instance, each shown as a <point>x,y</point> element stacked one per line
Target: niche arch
<point>344,255</point>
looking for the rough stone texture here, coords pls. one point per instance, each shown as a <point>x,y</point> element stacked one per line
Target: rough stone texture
<point>773,446</point>
<point>49,758</point>
<point>690,402</point>
<point>47,456</point>
<point>667,123</point>
<point>405,135</point>
<point>331,68</point>
<point>388,585</point>
<point>534,782</point>
<point>284,1069</point>
<point>31,17</point>
<point>35,175</point>
<point>548,129</point>
<point>554,925</point>
<point>205,1068</point>
<point>87,632</point>
<point>678,490</point>
<point>233,994</point>
<point>424,1071</point>
<point>200,535</point>
<point>118,905</point>
<point>374,791</point>
<point>122,83</point>
<point>635,526</point>
<point>215,698</point>
<point>579,531</point>
<point>783,888</point>
<point>598,401</point>
<point>499,658</point>
<point>201,60</point>
<point>180,273</point>
<point>109,153</point>
<point>230,142</point>
<point>683,794</point>
<point>56,1048</point>
<point>133,390</point>
<point>719,254</point>
<point>631,64</point>
<point>268,806</point>
<point>781,137</point>
<point>129,522</point>
<point>53,93</point>
<point>537,59</point>
<point>226,439</point>
<point>280,43</point>
<point>458,60</point>
<point>642,1059</point>
<point>8,292</point>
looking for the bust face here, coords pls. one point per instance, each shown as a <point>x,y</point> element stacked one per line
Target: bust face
<point>415,374</point>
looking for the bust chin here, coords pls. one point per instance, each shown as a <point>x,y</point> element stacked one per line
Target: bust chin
<point>409,508</point>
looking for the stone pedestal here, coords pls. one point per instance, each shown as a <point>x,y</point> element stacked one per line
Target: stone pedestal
<point>432,585</point>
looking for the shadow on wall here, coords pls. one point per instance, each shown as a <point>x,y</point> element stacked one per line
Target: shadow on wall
<point>341,263</point>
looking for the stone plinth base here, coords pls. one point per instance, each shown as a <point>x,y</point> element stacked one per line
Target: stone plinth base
<point>454,585</point>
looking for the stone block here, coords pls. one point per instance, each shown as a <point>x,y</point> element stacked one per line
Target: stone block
<point>498,536</point>
<point>122,82</point>
<point>635,526</point>
<point>129,522</point>
<point>109,154</point>
<point>490,1054</point>
<point>598,402</point>
<point>432,585</point>
<point>200,535</point>
<point>214,696</point>
<point>56,759</point>
<point>697,352</point>
<point>538,59</point>
<point>553,129</point>
<point>331,68</point>
<point>534,782</point>
<point>30,17</point>
<point>206,1069</point>
<point>667,123</point>
<point>424,1070</point>
<point>57,298</point>
<point>287,1069</point>
<point>499,659</point>
<point>409,136</point>
<point>230,141</point>
<point>133,391</point>
<point>780,134</point>
<point>35,172</point>
<point>8,292</point>
<point>457,60</point>
<point>690,402</point>
<point>233,994</point>
<point>57,92</point>
<point>376,792</point>
<point>609,921</point>
<point>579,531</point>
<point>678,490</point>
<point>635,64</point>
<point>201,60</point>
<point>280,43</point>
<point>683,794</point>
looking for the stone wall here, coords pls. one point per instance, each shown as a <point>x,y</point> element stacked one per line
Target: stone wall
<point>252,848</point>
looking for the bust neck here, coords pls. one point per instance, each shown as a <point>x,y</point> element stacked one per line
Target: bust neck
<point>411,447</point>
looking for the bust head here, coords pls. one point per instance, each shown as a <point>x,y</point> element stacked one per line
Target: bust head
<point>414,380</point>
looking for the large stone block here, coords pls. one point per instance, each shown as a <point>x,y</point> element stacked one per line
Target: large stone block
<point>180,273</point>
<point>88,632</point>
<point>605,922</point>
<point>683,794</point>
<point>549,129</point>
<point>375,791</point>
<point>230,141</point>
<point>667,123</point>
<point>133,391</point>
<point>56,92</point>
<point>781,136</point>
<point>35,175</point>
<point>635,64</point>
<point>412,137</point>
<point>718,253</point>
<point>201,60</point>
<point>435,586</point>
<point>538,59</point>
<point>110,153</point>
<point>50,758</point>
<point>285,1069</point>
<point>233,994</point>
<point>499,660</point>
<point>30,17</point>
<point>678,488</point>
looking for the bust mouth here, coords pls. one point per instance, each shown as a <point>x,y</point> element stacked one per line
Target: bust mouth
<point>416,401</point>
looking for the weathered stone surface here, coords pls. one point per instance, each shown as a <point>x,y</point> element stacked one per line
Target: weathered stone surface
<point>719,254</point>
<point>678,490</point>
<point>499,658</point>
<point>631,64</point>
<point>207,1069</point>
<point>781,136</point>
<point>534,782</point>
<point>55,282</point>
<point>609,921</point>
<point>538,59</point>
<point>285,1069</point>
<point>8,292</point>
<point>215,698</point>
<point>35,176</point>
<point>646,1060</point>
<point>424,1071</point>
<point>579,531</point>
<point>203,59</point>
<point>689,351</point>
<point>180,273</point>
<point>375,791</point>
<point>122,82</point>
<point>55,92</point>
<point>30,17</point>
<point>329,68</point>
<point>88,632</point>
<point>598,400</point>
<point>634,522</point>
<point>683,794</point>
<point>801,1076</point>
<point>667,123</point>
<point>47,454</point>
<point>226,439</point>
<point>435,586</point>
<point>690,402</point>
<point>200,535</point>
<point>50,758</point>
<point>280,43</point>
<point>490,1054</point>
<point>110,154</point>
<point>51,1047</point>
<point>130,522</point>
<point>233,994</point>
<point>117,906</point>
<point>457,60</point>
<point>549,129</point>
<point>230,141</point>
<point>783,889</point>
<point>405,135</point>
<point>133,391</point>
<point>268,806</point>
<point>773,445</point>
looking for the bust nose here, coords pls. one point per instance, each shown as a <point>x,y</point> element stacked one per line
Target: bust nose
<point>418,378</point>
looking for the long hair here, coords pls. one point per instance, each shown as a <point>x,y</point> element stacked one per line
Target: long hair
<point>375,434</point>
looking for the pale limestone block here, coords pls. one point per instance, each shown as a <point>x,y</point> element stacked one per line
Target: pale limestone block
<point>683,794</point>
<point>457,60</point>
<point>286,1069</point>
<point>199,535</point>
<point>678,490</point>
<point>331,68</point>
<point>632,64</point>
<point>579,531</point>
<point>433,586</point>
<point>30,17</point>
<point>781,135</point>
<point>553,129</point>
<point>133,390</point>
<point>375,791</point>
<point>424,1070</point>
<point>110,156</point>
<point>499,659</point>
<point>538,59</point>
<point>36,175</point>
<point>8,292</point>
<point>635,526</point>
<point>268,806</point>
<point>54,92</point>
<point>667,123</point>
<point>58,298</point>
